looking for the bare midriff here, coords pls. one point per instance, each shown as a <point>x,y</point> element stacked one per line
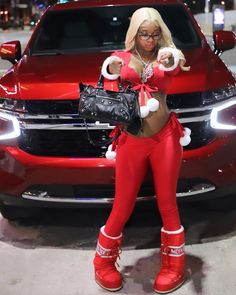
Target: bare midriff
<point>155,121</point>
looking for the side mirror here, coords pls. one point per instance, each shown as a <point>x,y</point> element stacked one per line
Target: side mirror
<point>223,40</point>
<point>11,51</point>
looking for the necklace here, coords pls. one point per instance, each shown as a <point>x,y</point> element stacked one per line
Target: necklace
<point>147,66</point>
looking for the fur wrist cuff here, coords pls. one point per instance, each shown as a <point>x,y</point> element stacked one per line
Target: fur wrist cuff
<point>104,70</point>
<point>175,56</point>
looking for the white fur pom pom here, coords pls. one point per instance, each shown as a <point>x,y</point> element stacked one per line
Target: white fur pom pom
<point>110,155</point>
<point>185,140</point>
<point>144,111</point>
<point>153,104</point>
<point>187,131</point>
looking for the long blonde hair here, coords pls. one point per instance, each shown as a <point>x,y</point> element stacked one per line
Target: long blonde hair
<point>150,14</point>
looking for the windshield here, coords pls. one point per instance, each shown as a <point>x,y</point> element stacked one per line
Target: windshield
<point>104,28</point>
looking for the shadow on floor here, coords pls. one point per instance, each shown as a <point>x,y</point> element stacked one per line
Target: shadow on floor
<point>78,229</point>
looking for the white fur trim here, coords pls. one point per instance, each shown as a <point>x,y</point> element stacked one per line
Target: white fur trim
<point>105,64</point>
<point>175,55</point>
<point>173,232</point>
<point>153,104</point>
<point>144,111</point>
<point>102,229</point>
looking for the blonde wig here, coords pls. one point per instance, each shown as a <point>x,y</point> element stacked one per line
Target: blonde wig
<point>150,14</point>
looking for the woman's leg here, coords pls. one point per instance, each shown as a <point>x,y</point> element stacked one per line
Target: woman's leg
<point>131,163</point>
<point>131,167</point>
<point>165,159</point>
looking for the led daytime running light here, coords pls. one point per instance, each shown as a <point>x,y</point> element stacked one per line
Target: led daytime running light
<point>214,120</point>
<point>16,127</point>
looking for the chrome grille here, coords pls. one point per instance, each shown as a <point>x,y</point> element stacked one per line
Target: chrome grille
<point>62,143</point>
<point>53,128</point>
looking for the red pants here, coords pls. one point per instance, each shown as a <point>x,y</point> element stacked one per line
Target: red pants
<point>163,153</point>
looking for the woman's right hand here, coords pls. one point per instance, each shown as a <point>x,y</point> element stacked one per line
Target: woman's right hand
<point>115,67</point>
<point>111,67</point>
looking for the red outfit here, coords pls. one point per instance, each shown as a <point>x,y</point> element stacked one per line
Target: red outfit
<point>158,82</point>
<point>134,154</point>
<point>163,153</point>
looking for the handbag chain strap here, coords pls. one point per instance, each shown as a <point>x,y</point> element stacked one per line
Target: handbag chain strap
<point>99,143</point>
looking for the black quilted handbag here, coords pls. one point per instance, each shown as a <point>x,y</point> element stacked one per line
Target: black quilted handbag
<point>115,107</point>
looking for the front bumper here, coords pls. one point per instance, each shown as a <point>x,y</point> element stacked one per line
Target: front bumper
<point>207,172</point>
<point>43,202</point>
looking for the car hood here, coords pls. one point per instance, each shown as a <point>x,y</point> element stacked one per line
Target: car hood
<point>58,76</point>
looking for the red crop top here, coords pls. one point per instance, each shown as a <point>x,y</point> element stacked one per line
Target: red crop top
<point>160,80</point>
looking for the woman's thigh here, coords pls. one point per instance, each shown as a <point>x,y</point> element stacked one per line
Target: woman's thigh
<point>131,167</point>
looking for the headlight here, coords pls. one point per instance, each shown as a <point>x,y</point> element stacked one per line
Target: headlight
<point>224,116</point>
<point>9,126</point>
<point>217,95</point>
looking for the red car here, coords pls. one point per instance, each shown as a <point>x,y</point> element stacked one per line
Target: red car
<point>45,156</point>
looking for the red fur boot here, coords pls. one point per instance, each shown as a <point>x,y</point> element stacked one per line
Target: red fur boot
<point>106,273</point>
<point>172,272</point>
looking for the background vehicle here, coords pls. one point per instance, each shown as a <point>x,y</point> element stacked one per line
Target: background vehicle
<point>45,157</point>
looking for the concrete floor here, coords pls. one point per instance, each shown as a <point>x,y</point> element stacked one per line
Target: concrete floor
<point>53,255</point>
<point>211,270</point>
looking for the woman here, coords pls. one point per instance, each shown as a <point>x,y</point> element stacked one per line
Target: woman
<point>149,63</point>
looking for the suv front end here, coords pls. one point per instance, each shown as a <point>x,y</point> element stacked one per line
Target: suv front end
<point>45,157</point>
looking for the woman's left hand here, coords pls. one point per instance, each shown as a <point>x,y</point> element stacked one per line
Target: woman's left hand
<point>166,59</point>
